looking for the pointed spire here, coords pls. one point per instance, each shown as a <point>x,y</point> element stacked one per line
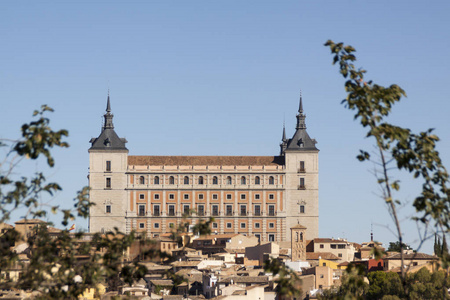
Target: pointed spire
<point>300,109</point>
<point>108,116</point>
<point>301,116</point>
<point>283,138</point>
<point>108,104</point>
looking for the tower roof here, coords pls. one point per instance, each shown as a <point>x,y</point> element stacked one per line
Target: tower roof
<point>301,140</point>
<point>108,139</point>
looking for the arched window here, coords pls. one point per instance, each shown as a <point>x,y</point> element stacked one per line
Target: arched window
<point>301,236</point>
<point>200,180</point>
<point>243,181</point>
<point>186,180</point>
<point>271,180</point>
<point>257,180</point>
<point>215,180</point>
<point>171,180</point>
<point>229,180</point>
<point>141,180</point>
<point>156,180</point>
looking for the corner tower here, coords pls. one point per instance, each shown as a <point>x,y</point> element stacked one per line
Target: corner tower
<point>108,158</point>
<point>302,179</point>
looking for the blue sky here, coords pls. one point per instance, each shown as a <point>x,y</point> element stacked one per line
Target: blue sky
<point>219,78</point>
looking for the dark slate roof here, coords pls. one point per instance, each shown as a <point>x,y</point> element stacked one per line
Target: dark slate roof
<point>301,137</point>
<point>108,135</point>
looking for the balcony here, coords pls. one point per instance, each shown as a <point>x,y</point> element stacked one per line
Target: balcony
<point>229,213</point>
<point>301,187</point>
<point>301,170</point>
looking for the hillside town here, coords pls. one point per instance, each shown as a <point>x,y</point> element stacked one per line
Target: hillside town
<point>227,266</point>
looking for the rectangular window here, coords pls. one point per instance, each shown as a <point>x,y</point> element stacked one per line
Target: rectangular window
<point>271,237</point>
<point>141,211</point>
<point>333,246</point>
<point>215,210</point>
<point>108,209</point>
<point>228,225</point>
<point>242,196</point>
<point>257,225</point>
<point>171,225</point>
<point>214,225</point>
<point>257,196</point>
<point>339,254</point>
<point>302,209</point>
<point>172,210</point>
<point>302,167</point>
<point>243,225</point>
<point>156,210</point>
<point>141,196</point>
<point>171,196</point>
<point>201,210</point>
<point>257,210</point>
<point>271,210</point>
<point>156,225</point>
<point>200,196</point>
<point>229,210</point>
<point>108,166</point>
<point>243,210</point>
<point>108,182</point>
<point>141,225</point>
<point>341,246</point>
<point>302,183</point>
<point>186,196</point>
<point>321,246</point>
<point>186,209</point>
<point>271,196</point>
<point>228,196</point>
<point>271,225</point>
<point>215,196</point>
<point>156,196</point>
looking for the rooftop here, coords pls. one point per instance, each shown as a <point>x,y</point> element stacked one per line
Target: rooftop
<point>205,160</point>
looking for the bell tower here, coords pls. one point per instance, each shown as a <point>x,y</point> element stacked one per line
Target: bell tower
<point>298,243</point>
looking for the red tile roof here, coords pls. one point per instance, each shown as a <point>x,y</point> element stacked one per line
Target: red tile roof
<point>204,160</point>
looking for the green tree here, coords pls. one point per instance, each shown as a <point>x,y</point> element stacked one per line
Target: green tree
<point>396,247</point>
<point>54,266</point>
<point>413,152</point>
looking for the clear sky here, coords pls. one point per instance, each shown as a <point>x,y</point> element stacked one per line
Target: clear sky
<point>219,78</point>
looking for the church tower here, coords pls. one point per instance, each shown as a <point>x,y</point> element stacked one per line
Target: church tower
<point>302,179</point>
<point>298,243</point>
<point>107,178</point>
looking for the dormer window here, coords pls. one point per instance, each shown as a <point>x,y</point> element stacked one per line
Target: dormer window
<point>107,142</point>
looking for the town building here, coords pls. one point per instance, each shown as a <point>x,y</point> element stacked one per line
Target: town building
<point>262,196</point>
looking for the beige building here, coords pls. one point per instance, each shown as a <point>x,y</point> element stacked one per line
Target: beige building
<point>263,196</point>
<point>341,248</point>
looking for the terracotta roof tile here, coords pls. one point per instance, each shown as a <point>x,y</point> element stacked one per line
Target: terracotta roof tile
<point>204,160</point>
<point>323,255</point>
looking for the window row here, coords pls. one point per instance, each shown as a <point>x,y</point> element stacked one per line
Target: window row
<point>200,211</point>
<point>213,196</point>
<point>215,180</point>
<point>242,225</point>
<point>171,211</point>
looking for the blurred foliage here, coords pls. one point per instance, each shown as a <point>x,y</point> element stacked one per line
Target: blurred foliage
<point>61,265</point>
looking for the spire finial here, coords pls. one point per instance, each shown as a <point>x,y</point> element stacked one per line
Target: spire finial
<point>283,138</point>
<point>300,109</point>
<point>301,116</point>
<point>371,232</point>
<point>108,104</point>
<point>108,116</point>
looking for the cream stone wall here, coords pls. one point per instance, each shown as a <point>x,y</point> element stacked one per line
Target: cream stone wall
<point>308,197</point>
<point>102,196</point>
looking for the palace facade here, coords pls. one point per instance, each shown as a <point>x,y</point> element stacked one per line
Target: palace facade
<point>263,196</point>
